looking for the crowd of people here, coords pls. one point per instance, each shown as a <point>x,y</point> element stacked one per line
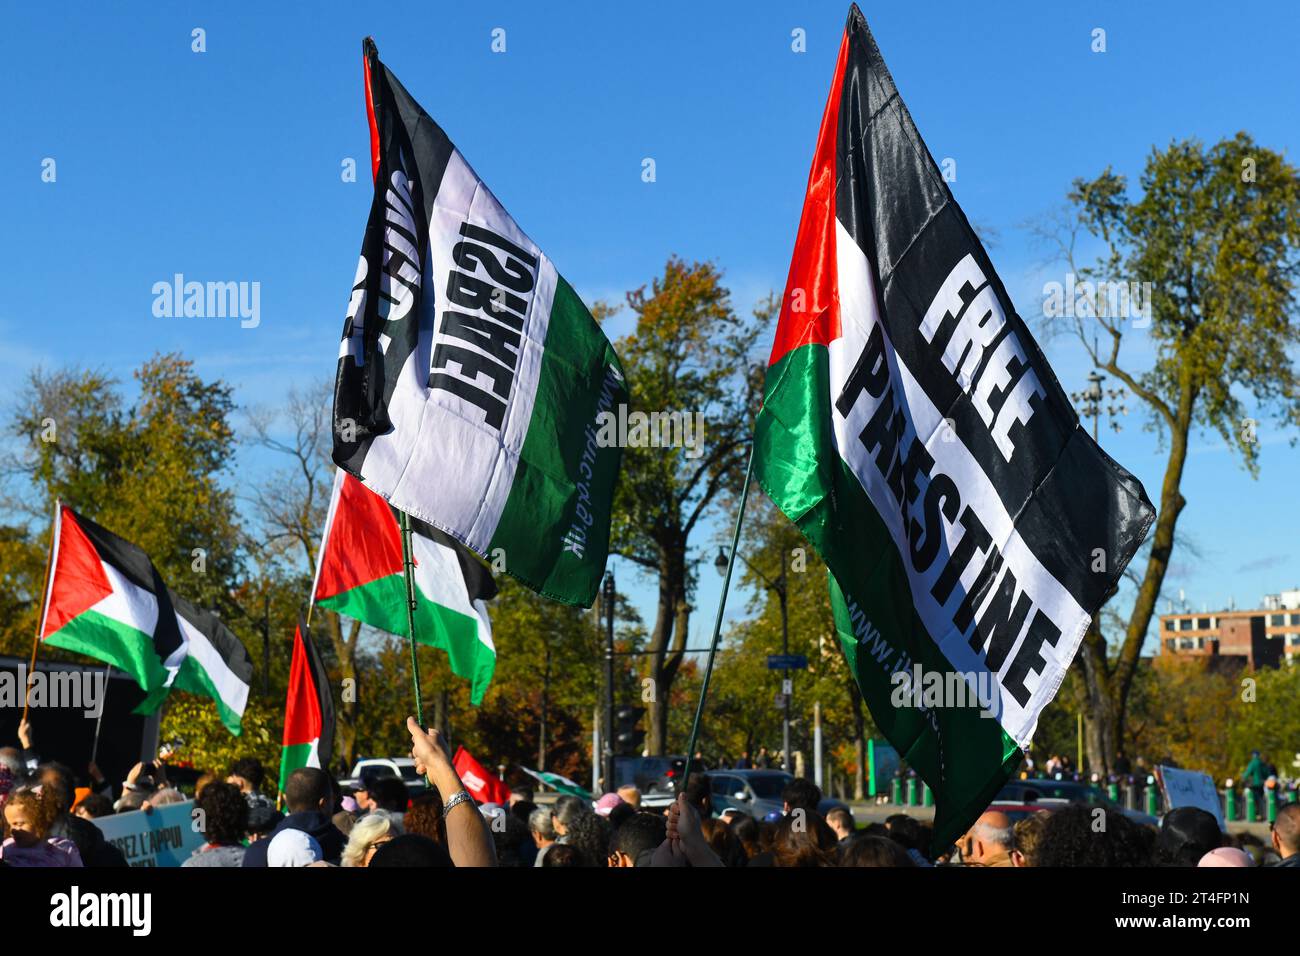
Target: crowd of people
<point>378,823</point>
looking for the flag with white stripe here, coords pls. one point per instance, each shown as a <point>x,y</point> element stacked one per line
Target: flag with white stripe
<point>915,433</point>
<point>470,374</point>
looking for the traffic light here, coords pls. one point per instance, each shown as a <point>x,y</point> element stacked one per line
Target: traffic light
<point>628,738</point>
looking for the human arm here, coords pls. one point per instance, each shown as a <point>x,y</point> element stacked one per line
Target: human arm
<point>469,842</point>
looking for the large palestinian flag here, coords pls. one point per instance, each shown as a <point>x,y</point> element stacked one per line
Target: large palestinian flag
<point>308,710</point>
<point>470,374</point>
<point>360,574</point>
<point>106,600</point>
<point>915,433</point>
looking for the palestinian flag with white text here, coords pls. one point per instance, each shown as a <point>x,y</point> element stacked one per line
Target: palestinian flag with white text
<point>917,436</point>
<point>105,599</point>
<point>360,574</point>
<point>471,376</point>
<point>308,710</point>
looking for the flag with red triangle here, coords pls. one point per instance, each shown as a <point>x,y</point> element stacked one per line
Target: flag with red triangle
<point>359,574</point>
<point>308,710</point>
<point>918,437</point>
<point>105,599</point>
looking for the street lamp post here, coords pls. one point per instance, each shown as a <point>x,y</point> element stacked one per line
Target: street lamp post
<point>1091,399</point>
<point>1089,402</point>
<point>607,602</point>
<point>779,586</point>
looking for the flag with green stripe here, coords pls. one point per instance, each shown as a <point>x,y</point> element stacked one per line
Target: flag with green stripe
<point>105,599</point>
<point>308,739</point>
<point>917,436</point>
<point>471,378</point>
<point>360,573</point>
<point>216,663</point>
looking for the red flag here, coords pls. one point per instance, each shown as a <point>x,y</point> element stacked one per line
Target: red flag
<point>482,786</point>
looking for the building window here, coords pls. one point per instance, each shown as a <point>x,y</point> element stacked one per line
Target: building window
<point>1295,619</point>
<point>1203,624</point>
<point>1170,624</point>
<point>1185,624</point>
<point>1277,620</point>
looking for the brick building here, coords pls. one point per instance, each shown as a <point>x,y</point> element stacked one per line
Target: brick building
<point>1262,637</point>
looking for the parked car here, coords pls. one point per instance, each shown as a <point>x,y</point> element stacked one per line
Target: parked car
<point>655,777</point>
<point>757,792</point>
<point>402,767</point>
<point>1060,792</point>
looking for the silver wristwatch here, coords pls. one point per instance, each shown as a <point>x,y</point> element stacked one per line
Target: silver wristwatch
<point>459,797</point>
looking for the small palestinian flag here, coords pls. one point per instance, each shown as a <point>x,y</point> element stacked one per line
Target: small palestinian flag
<point>471,379</point>
<point>106,600</point>
<point>482,786</point>
<point>360,574</point>
<point>917,436</point>
<point>216,663</point>
<point>308,710</point>
<point>558,782</point>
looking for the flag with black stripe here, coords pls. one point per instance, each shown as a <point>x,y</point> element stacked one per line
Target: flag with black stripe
<point>916,434</point>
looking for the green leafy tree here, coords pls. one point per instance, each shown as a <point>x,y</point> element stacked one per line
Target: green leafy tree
<point>688,354</point>
<point>1216,231</point>
<point>152,472</point>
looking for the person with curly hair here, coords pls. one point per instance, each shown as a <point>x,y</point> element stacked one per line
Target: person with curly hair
<point>425,817</point>
<point>221,813</point>
<point>589,835</point>
<point>1079,835</point>
<point>29,812</point>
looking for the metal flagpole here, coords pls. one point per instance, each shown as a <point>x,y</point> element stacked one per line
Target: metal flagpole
<point>94,748</point>
<point>717,624</point>
<point>408,564</point>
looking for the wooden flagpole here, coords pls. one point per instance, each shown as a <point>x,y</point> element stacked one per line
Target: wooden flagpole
<point>40,610</point>
<point>717,623</point>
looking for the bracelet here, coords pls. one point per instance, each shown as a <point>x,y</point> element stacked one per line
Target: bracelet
<point>459,797</point>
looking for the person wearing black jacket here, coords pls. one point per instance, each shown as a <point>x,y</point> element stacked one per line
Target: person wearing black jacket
<point>309,795</point>
<point>94,849</point>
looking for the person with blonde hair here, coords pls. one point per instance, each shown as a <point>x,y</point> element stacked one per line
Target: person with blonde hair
<point>368,834</point>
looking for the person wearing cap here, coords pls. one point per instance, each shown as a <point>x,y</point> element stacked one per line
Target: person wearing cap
<point>607,803</point>
<point>247,774</point>
<point>292,848</point>
<point>308,793</point>
<point>383,792</point>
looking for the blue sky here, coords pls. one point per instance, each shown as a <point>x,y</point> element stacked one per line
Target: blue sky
<point>225,166</point>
